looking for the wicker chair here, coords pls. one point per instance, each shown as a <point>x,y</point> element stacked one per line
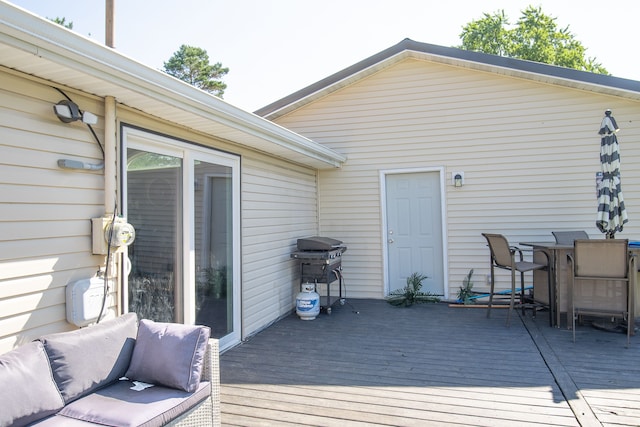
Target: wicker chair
<point>503,256</point>
<point>603,281</point>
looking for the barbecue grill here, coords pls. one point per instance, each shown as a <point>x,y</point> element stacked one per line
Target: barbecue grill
<point>320,260</point>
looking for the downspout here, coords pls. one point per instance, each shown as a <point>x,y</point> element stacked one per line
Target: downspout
<point>111,162</point>
<point>110,157</point>
<point>110,193</point>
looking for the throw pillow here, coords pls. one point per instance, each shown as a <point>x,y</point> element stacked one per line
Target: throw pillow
<point>169,354</point>
<point>27,390</point>
<point>86,359</point>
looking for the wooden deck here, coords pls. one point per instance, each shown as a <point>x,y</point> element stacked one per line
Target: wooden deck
<point>369,363</point>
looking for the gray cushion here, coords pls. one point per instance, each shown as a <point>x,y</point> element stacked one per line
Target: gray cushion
<point>169,354</point>
<point>118,405</point>
<point>61,421</point>
<point>27,389</point>
<point>87,359</point>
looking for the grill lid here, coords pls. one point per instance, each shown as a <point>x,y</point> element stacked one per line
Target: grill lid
<point>318,243</point>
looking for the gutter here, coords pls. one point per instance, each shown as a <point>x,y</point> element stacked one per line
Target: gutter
<point>30,33</point>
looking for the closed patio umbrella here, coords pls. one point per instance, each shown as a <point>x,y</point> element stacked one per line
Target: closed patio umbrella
<point>611,211</point>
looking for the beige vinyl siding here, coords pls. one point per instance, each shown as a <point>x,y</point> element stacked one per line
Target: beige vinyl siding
<point>529,151</point>
<point>44,222</point>
<point>45,232</point>
<point>279,203</point>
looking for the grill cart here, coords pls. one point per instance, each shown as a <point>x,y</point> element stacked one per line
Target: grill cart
<point>320,260</point>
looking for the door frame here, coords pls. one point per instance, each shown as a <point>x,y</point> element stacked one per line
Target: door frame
<point>190,151</point>
<point>383,232</point>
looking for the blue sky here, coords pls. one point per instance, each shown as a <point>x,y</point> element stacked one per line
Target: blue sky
<point>275,47</point>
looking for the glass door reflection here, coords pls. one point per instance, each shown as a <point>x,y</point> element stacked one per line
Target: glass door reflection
<point>154,195</point>
<point>214,247</point>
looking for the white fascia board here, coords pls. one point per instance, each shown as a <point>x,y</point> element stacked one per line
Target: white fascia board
<point>25,31</point>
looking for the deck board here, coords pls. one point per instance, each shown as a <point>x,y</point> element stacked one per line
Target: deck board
<point>369,363</point>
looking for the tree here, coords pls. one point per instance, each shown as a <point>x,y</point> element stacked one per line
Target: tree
<point>535,37</point>
<point>191,64</point>
<point>62,21</point>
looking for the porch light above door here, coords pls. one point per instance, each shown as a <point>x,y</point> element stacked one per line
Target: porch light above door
<point>458,179</point>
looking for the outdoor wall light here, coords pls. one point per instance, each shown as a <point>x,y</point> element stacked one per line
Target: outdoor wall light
<point>458,179</point>
<point>68,111</point>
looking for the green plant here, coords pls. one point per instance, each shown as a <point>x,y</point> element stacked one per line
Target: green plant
<point>465,293</point>
<point>214,283</point>
<point>411,294</point>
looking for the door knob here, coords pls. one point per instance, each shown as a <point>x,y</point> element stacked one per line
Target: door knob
<point>390,240</point>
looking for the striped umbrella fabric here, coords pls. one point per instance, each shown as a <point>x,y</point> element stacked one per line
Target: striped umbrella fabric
<point>612,214</point>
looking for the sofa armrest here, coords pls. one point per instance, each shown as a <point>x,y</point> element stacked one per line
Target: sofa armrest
<point>211,372</point>
<point>207,413</point>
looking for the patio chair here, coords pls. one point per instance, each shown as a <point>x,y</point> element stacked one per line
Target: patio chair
<point>602,280</point>
<point>567,237</point>
<point>503,256</point>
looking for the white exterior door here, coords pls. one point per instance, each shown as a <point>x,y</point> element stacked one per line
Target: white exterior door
<point>414,230</point>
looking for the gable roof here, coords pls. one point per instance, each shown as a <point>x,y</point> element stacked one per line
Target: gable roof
<point>39,47</point>
<point>408,48</point>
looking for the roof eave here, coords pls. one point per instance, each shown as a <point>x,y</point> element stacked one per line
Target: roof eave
<point>536,71</point>
<point>53,44</point>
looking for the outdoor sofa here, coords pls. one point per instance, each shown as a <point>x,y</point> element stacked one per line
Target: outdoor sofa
<point>102,375</point>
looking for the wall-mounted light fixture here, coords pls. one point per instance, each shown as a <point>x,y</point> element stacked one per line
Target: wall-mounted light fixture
<point>457,178</point>
<point>68,111</point>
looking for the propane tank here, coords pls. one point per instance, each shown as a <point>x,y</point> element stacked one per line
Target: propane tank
<point>308,302</point>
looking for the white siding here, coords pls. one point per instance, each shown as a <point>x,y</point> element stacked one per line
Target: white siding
<point>45,232</point>
<point>529,151</point>
<point>279,204</point>
<point>44,210</point>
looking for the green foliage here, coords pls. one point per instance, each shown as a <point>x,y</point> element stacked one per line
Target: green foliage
<point>535,37</point>
<point>141,160</point>
<point>487,35</point>
<point>62,21</point>
<point>411,294</point>
<point>215,283</point>
<point>191,64</point>
<point>465,293</point>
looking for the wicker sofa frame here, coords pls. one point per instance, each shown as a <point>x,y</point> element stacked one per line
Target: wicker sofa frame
<point>206,413</point>
<point>77,377</point>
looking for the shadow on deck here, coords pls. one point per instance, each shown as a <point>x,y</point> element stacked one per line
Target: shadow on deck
<point>369,363</point>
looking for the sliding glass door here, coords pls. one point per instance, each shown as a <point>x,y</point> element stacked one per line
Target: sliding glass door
<point>213,251</point>
<point>183,200</point>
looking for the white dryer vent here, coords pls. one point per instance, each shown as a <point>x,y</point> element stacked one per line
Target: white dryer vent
<point>84,301</point>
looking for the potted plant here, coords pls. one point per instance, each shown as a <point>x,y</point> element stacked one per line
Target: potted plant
<point>411,293</point>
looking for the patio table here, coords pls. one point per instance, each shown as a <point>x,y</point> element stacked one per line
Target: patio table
<point>557,256</point>
<point>560,302</point>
